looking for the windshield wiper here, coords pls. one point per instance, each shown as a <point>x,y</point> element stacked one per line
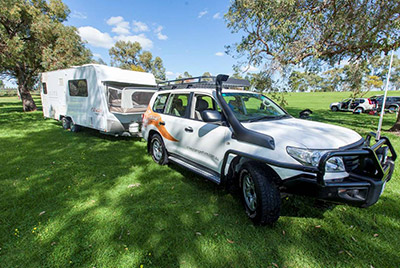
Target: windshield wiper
<point>268,117</point>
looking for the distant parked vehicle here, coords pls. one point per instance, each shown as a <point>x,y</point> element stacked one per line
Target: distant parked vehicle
<point>392,103</point>
<point>359,105</point>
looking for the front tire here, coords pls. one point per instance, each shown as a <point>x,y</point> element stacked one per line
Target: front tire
<point>334,108</point>
<point>260,195</point>
<point>157,150</point>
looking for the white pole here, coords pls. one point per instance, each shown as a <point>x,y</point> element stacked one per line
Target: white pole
<point>378,133</point>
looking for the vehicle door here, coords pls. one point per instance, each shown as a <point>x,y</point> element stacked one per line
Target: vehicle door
<point>344,105</point>
<point>205,142</point>
<point>174,123</point>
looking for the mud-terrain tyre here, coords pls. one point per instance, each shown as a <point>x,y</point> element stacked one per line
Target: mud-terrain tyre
<point>261,197</point>
<point>157,150</point>
<point>334,109</point>
<point>66,123</point>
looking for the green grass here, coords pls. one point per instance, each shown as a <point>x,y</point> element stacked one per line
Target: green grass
<point>90,200</point>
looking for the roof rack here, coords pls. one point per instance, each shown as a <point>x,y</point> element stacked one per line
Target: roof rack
<point>202,82</point>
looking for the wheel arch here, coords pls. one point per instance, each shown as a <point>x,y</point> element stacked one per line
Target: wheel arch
<point>151,133</point>
<point>232,179</point>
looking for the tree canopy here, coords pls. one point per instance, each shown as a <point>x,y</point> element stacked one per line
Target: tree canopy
<point>303,31</point>
<point>33,39</point>
<point>129,55</point>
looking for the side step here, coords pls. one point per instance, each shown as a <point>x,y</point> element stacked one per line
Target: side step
<point>209,175</point>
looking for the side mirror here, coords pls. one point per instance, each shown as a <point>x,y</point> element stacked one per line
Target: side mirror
<point>211,116</point>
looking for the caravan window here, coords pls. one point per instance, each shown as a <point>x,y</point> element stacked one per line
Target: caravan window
<point>44,87</point>
<point>142,98</point>
<point>78,88</point>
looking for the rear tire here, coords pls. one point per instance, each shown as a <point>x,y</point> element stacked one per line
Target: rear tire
<point>74,127</point>
<point>334,108</point>
<point>261,197</point>
<point>157,150</point>
<point>66,123</point>
<point>393,109</point>
<point>359,110</point>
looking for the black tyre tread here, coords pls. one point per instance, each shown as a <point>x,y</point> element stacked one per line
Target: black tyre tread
<point>164,161</point>
<point>268,192</point>
<point>334,109</point>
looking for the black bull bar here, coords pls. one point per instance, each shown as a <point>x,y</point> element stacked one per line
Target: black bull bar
<point>362,187</point>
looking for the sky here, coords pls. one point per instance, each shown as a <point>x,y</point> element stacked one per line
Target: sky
<point>188,35</point>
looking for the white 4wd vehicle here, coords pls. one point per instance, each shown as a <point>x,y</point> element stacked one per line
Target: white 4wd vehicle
<point>243,139</point>
<point>360,105</point>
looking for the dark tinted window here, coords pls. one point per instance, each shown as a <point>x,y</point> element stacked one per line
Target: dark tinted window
<point>78,88</point>
<point>178,105</point>
<point>44,87</point>
<point>159,103</point>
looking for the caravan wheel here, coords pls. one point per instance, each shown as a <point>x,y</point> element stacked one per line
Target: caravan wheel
<point>66,123</point>
<point>74,127</point>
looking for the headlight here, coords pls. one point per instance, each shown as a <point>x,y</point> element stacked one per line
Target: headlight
<point>311,158</point>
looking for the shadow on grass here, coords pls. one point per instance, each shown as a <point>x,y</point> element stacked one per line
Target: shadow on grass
<point>97,200</point>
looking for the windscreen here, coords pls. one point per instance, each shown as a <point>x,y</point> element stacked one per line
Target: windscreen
<point>253,107</point>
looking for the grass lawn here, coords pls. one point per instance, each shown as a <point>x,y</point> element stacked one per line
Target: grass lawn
<point>90,200</point>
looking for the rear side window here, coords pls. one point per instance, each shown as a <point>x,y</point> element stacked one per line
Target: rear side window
<point>159,103</point>
<point>362,101</point>
<point>177,106</point>
<point>78,88</point>
<point>44,88</point>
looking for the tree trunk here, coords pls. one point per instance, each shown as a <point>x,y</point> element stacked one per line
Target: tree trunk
<point>27,101</point>
<point>396,126</point>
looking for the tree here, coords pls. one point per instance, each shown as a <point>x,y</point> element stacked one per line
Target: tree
<point>33,39</point>
<point>260,81</point>
<point>125,54</point>
<point>303,31</point>
<point>1,84</point>
<point>129,55</point>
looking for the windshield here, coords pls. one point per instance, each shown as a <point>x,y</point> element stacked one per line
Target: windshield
<point>253,107</point>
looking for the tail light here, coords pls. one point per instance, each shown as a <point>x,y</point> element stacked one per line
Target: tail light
<point>370,102</point>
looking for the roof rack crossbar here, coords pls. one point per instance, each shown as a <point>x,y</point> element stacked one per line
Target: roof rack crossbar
<point>202,82</point>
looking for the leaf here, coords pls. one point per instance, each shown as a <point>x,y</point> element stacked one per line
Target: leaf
<point>376,235</point>
<point>41,213</point>
<point>134,185</point>
<point>198,233</point>
<point>276,265</point>
<point>230,241</point>
<point>318,226</point>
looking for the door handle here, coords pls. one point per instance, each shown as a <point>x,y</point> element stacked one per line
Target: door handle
<point>161,123</point>
<point>188,129</point>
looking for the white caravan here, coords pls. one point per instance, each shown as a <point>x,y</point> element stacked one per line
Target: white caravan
<point>105,98</point>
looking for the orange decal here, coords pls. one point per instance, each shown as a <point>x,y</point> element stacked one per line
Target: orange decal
<point>152,118</point>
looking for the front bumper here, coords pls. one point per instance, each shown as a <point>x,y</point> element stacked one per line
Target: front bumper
<point>371,168</point>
